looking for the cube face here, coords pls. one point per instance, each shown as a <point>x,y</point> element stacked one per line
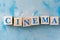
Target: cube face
<point>44,19</point>
<point>7,20</point>
<point>35,20</point>
<point>26,22</point>
<point>54,20</point>
<point>17,21</point>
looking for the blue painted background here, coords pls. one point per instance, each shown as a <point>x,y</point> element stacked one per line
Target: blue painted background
<point>23,8</point>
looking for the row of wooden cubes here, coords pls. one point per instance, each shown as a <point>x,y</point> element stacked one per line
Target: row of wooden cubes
<point>29,21</point>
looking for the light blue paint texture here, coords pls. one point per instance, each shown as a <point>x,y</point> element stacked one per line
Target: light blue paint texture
<point>58,10</point>
<point>46,5</point>
<point>32,8</point>
<point>2,5</point>
<point>57,1</point>
<point>12,8</point>
<point>36,13</point>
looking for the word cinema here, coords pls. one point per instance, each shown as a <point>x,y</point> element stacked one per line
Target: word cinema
<point>29,21</point>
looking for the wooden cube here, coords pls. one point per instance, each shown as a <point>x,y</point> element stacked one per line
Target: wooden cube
<point>17,21</point>
<point>54,20</point>
<point>35,20</point>
<point>7,20</point>
<point>26,22</point>
<point>44,19</point>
